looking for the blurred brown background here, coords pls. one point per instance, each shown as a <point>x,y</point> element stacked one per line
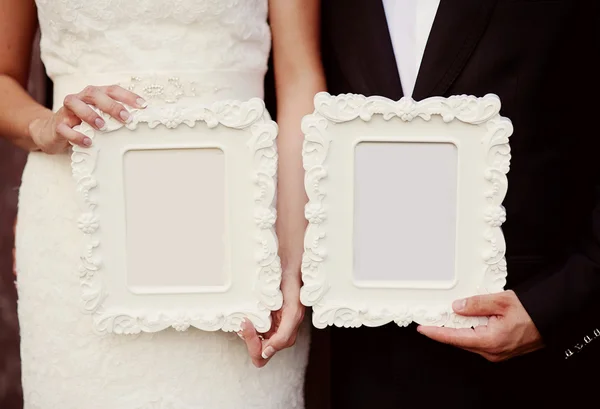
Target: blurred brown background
<point>11,163</point>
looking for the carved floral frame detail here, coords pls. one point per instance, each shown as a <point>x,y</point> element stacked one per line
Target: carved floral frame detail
<point>483,111</point>
<point>248,115</point>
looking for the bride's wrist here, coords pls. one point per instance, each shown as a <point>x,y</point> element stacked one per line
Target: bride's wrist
<point>291,281</point>
<point>291,271</point>
<point>34,130</point>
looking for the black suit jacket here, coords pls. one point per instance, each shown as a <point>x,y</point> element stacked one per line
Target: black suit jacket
<point>541,58</point>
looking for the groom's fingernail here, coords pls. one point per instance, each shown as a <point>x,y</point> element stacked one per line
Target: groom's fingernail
<point>268,352</point>
<point>459,305</point>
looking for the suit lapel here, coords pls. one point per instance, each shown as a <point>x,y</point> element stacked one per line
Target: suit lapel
<point>457,28</point>
<point>363,47</point>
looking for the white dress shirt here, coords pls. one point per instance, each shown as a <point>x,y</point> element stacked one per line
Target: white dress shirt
<point>409,23</point>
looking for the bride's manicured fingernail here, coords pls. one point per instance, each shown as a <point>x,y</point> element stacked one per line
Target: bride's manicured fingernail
<point>87,141</point>
<point>100,123</point>
<point>125,116</point>
<point>240,335</point>
<point>268,352</point>
<point>141,103</point>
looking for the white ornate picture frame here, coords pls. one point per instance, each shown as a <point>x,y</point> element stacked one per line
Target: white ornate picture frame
<point>332,133</point>
<point>114,179</point>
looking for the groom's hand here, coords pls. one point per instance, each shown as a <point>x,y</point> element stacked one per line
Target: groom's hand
<point>510,331</point>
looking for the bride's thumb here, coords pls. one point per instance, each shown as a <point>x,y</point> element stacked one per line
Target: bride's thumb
<point>285,337</point>
<point>268,352</point>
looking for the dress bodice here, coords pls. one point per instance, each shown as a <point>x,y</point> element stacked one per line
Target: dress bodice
<point>216,44</point>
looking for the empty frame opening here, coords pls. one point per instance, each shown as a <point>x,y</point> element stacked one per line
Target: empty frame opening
<point>175,209</point>
<point>405,214</point>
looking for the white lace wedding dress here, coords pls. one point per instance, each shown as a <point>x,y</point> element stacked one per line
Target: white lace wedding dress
<point>157,48</point>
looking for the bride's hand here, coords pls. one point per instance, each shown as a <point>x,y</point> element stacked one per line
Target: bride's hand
<point>284,329</point>
<point>54,133</point>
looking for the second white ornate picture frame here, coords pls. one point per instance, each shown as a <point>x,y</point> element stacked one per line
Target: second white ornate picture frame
<point>178,219</point>
<point>405,208</point>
